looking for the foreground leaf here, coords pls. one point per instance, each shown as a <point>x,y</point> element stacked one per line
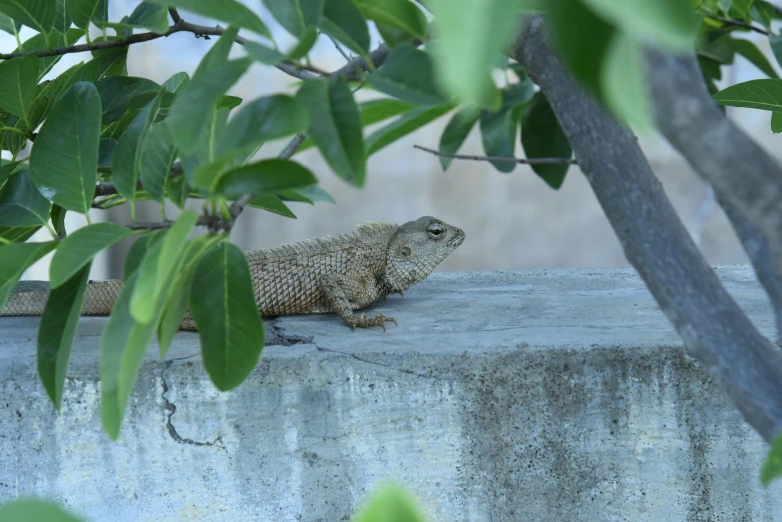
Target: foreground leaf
<point>78,249</point>
<point>25,509</point>
<point>123,345</point>
<point>470,36</point>
<point>404,125</point>
<point>192,105</point>
<point>37,14</point>
<point>751,52</point>
<point>64,158</point>
<point>273,204</point>
<point>296,15</point>
<point>228,11</point>
<point>264,177</point>
<point>772,467</point>
<point>624,82</point>
<point>157,267</point>
<point>335,127</point>
<point>669,22</point>
<point>15,259</point>
<point>59,320</point>
<point>18,80</point>
<point>542,137</point>
<point>408,75</point>
<point>390,504</point>
<point>776,122</point>
<point>399,14</point>
<point>157,156</point>
<point>21,205</point>
<point>83,11</point>
<point>266,118</point>
<point>764,94</point>
<point>225,311</point>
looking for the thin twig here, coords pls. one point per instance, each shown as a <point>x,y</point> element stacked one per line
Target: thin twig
<point>502,159</point>
<point>340,49</point>
<point>174,14</point>
<point>180,26</point>
<point>738,23</point>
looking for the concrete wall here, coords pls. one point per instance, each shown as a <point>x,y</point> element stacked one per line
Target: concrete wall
<point>522,395</point>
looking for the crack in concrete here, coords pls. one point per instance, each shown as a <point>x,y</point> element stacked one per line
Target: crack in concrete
<point>376,363</point>
<point>171,407</point>
<point>286,338</point>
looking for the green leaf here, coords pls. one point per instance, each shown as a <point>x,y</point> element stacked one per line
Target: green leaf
<point>83,11</point>
<point>8,25</point>
<point>138,251</point>
<point>342,20</point>
<point>59,321</point>
<point>763,94</point>
<point>21,205</point>
<point>470,35</point>
<point>624,82</point>
<point>123,345</point>
<point>226,314</point>
<point>335,127</point>
<point>57,215</point>
<point>106,151</point>
<point>672,23</point>
<point>157,267</point>
<point>264,119</point>
<point>15,259</point>
<point>263,54</point>
<point>390,504</point>
<point>582,39</point>
<point>309,194</point>
<point>264,177</point>
<point>408,74</point>
<point>6,169</point>
<point>303,46</point>
<point>17,234</point>
<point>229,11</point>
<point>177,81</point>
<point>456,132</point>
<point>117,91</point>
<point>751,52</point>
<point>34,509</point>
<point>772,467</point>
<point>148,16</point>
<point>404,125</point>
<point>542,137</point>
<point>62,18</point>
<point>78,249</point>
<point>37,14</point>
<point>54,39</point>
<point>739,9</point>
<point>273,204</point>
<point>178,292</point>
<point>157,156</point>
<point>498,135</point>
<point>18,79</point>
<point>776,122</point>
<point>400,14</point>
<point>296,15</point>
<point>776,47</point>
<point>64,159</point>
<point>375,111</point>
<point>190,111</point>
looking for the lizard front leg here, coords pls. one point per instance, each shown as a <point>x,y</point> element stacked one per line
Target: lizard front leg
<point>343,294</point>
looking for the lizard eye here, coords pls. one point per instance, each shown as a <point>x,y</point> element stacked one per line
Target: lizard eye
<point>406,251</point>
<point>436,231</point>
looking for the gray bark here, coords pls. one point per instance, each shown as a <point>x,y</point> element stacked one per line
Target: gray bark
<point>748,182</point>
<point>714,329</point>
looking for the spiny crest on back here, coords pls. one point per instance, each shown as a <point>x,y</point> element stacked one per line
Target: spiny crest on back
<point>322,244</point>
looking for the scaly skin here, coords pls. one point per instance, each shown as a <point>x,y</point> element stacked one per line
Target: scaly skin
<point>331,275</point>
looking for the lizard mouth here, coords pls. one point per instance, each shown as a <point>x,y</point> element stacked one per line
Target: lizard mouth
<point>458,238</point>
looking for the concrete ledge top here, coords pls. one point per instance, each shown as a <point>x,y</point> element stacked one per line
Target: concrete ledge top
<point>491,310</point>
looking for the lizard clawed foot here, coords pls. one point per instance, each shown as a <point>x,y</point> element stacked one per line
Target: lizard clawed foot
<point>369,322</point>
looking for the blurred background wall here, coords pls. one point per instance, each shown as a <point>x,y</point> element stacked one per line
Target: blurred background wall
<point>512,220</point>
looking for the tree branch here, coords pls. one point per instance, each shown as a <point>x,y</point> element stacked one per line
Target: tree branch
<point>714,329</point>
<point>738,23</point>
<point>180,26</point>
<point>501,159</point>
<point>747,181</point>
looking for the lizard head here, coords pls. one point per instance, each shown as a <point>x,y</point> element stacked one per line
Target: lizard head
<point>416,248</point>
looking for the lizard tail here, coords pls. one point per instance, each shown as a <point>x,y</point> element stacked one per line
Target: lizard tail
<point>99,299</point>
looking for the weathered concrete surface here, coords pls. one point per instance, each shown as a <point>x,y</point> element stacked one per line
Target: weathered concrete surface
<point>543,395</point>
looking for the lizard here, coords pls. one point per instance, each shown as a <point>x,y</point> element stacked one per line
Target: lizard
<point>335,274</point>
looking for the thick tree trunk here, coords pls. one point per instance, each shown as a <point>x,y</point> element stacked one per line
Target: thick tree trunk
<point>714,329</point>
<point>748,182</point>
